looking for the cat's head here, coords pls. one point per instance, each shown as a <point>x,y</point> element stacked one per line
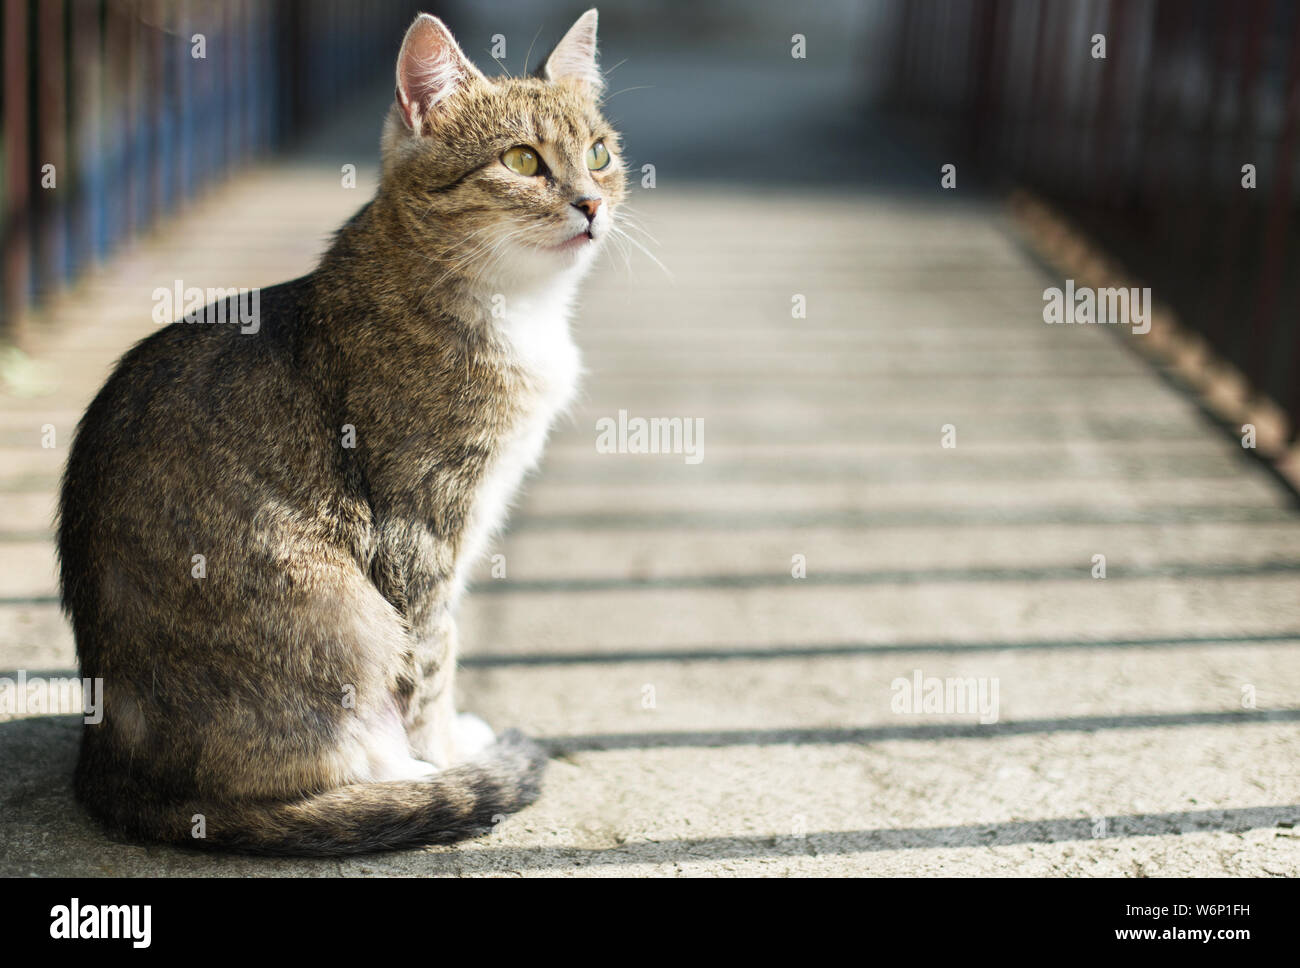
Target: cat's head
<point>513,179</point>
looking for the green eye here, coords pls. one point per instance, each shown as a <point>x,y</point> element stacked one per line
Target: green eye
<point>521,160</point>
<point>597,156</point>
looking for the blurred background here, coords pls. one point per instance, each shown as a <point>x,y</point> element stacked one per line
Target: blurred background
<point>905,473</point>
<point>110,99</point>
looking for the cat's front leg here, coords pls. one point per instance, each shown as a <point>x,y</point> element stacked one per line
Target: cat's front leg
<point>436,732</point>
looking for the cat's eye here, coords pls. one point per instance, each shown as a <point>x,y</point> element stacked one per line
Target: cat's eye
<point>598,156</point>
<point>521,160</point>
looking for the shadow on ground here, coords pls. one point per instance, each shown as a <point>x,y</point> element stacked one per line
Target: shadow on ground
<point>46,834</point>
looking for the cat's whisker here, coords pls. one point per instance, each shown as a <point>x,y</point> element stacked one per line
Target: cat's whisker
<point>452,257</point>
<point>632,219</point>
<point>486,254</point>
<point>624,250</point>
<point>631,224</point>
<point>650,255</point>
<point>628,209</point>
<point>624,224</point>
<point>463,259</point>
<point>499,252</point>
<point>529,56</point>
<point>639,87</point>
<point>621,249</point>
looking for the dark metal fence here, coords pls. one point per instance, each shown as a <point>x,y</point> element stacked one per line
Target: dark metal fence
<point>117,111</point>
<point>1145,148</point>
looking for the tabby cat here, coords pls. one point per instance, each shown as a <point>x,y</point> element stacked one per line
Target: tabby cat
<point>264,531</point>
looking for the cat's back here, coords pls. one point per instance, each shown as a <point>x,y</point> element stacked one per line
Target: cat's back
<point>189,372</point>
<point>198,424</point>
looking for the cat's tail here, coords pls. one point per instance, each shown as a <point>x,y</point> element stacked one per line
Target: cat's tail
<point>456,803</point>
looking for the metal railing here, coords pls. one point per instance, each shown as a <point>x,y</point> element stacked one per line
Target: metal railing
<point>1176,150</point>
<point>117,111</point>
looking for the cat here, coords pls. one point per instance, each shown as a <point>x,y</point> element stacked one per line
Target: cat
<point>264,530</point>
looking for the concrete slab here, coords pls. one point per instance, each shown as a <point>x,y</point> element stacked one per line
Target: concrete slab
<point>1147,722</point>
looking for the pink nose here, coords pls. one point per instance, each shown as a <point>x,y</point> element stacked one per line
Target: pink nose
<point>588,207</point>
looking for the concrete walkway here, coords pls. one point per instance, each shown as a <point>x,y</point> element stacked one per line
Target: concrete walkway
<point>709,712</point>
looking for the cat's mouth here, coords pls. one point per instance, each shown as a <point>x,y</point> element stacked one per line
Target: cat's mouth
<point>577,242</point>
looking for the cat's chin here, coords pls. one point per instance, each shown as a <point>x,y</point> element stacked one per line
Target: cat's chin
<point>531,267</point>
<point>580,241</point>
<point>576,251</point>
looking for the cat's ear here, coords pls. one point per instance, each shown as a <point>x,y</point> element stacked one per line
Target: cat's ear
<point>430,68</point>
<point>574,57</point>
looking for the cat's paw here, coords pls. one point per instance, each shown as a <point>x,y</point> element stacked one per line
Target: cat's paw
<point>473,735</point>
<point>408,769</point>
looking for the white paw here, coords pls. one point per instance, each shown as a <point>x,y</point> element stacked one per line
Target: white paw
<point>408,769</point>
<point>472,735</point>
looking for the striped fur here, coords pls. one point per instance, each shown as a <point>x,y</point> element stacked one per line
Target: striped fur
<point>335,474</point>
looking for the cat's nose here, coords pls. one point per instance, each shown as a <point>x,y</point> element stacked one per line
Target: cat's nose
<point>588,205</point>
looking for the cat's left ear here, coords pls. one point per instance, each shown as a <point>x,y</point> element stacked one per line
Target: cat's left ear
<point>430,68</point>
<point>574,57</point>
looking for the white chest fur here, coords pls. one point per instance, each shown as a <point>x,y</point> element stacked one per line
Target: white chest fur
<point>536,330</point>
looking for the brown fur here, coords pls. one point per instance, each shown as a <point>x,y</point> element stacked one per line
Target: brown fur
<point>330,571</point>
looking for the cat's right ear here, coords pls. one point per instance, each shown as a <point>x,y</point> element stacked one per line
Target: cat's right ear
<point>430,68</point>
